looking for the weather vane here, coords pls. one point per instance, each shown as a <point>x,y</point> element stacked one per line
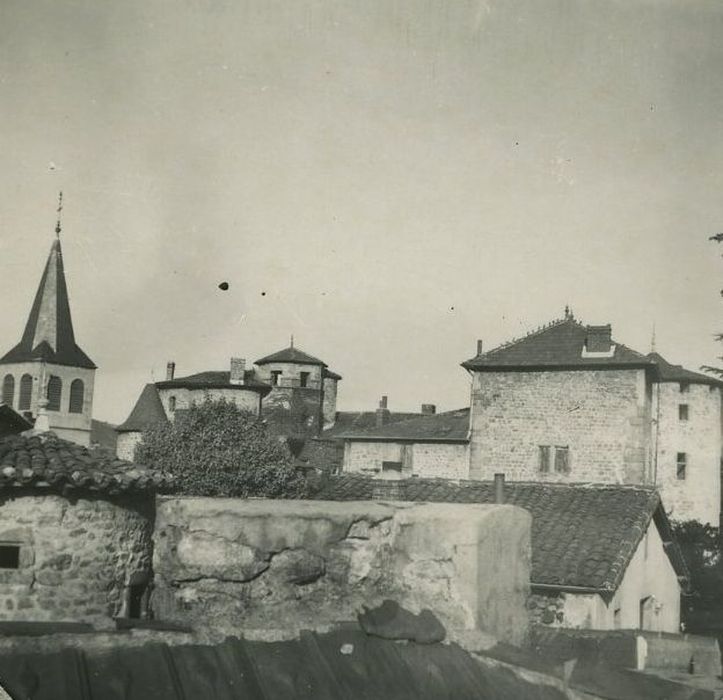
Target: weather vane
<point>60,208</point>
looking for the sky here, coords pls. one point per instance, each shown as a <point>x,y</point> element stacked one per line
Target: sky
<point>387,180</point>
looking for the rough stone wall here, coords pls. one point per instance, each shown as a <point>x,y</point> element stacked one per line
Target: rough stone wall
<point>697,497</point>
<point>602,416</point>
<point>246,399</point>
<point>430,460</point>
<point>126,444</point>
<point>75,558</point>
<point>329,401</point>
<point>291,374</point>
<point>232,566</point>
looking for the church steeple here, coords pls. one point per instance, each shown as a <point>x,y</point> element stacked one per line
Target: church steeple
<point>48,332</point>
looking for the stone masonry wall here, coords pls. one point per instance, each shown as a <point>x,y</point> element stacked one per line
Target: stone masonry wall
<point>602,416</point>
<point>697,496</point>
<point>126,444</point>
<point>247,399</point>
<point>75,558</point>
<point>429,460</point>
<point>232,566</point>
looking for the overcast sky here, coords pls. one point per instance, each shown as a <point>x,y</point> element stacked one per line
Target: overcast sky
<point>388,180</point>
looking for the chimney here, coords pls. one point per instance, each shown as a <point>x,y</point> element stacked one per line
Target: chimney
<point>598,338</point>
<point>170,371</point>
<point>238,367</point>
<point>382,412</point>
<point>428,409</point>
<point>479,347</point>
<point>499,488</point>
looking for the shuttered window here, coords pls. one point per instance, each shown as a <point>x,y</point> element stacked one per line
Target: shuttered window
<point>9,389</point>
<point>77,389</point>
<point>55,390</point>
<point>562,460</point>
<point>544,458</point>
<point>26,392</point>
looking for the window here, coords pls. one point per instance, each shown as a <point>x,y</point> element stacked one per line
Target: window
<point>392,467</point>
<point>684,386</point>
<point>304,378</point>
<point>275,374</point>
<point>544,458</point>
<point>77,390</point>
<point>55,390</point>
<point>681,465</point>
<point>9,389</point>
<point>9,556</point>
<point>171,404</point>
<point>26,392</point>
<point>562,460</point>
<point>682,411</point>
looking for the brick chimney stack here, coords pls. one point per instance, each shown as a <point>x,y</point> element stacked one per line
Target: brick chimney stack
<point>428,409</point>
<point>170,371</point>
<point>479,347</point>
<point>382,412</point>
<point>238,368</point>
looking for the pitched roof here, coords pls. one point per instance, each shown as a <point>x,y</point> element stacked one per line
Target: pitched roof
<point>147,411</point>
<point>583,535</point>
<point>215,380</point>
<point>291,354</point>
<point>12,422</point>
<point>331,375</point>
<point>48,332</point>
<point>357,421</point>
<point>677,373</point>
<point>48,463</point>
<point>558,345</point>
<point>450,426</point>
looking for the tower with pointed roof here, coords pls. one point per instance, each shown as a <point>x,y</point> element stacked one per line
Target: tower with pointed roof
<point>47,374</point>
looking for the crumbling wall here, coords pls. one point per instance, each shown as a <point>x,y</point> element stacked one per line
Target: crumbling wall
<point>233,566</point>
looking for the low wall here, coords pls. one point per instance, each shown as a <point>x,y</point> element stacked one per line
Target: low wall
<point>232,566</point>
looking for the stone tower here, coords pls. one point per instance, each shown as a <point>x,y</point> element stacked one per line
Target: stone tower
<point>46,373</point>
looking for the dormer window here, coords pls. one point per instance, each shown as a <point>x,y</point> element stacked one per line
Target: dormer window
<point>275,374</point>
<point>598,342</point>
<point>304,378</point>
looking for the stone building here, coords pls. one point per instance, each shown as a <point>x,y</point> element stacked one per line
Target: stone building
<point>567,403</point>
<point>47,369</point>
<point>75,532</point>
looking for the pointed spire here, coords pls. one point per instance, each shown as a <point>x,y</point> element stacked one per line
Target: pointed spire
<point>60,208</point>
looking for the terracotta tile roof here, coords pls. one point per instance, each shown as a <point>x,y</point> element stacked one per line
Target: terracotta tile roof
<point>215,380</point>
<point>46,462</point>
<point>677,373</point>
<point>558,345</point>
<point>583,535</point>
<point>48,332</point>
<point>291,354</point>
<point>450,426</point>
<point>147,411</point>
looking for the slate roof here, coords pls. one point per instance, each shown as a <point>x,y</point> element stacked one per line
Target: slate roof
<point>583,535</point>
<point>343,663</point>
<point>46,462</point>
<point>48,332</point>
<point>216,380</point>
<point>450,426</point>
<point>291,354</point>
<point>147,411</point>
<point>558,345</point>
<point>668,372</point>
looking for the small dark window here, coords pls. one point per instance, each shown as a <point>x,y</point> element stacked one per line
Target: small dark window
<point>9,556</point>
<point>391,466</point>
<point>8,389</point>
<point>562,460</point>
<point>544,458</point>
<point>684,386</point>
<point>172,404</point>
<point>26,392</point>
<point>77,391</point>
<point>275,374</point>
<point>681,465</point>
<point>55,389</point>
<point>304,378</point>
<point>682,411</point>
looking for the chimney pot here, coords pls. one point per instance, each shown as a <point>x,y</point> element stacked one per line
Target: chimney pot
<point>479,347</point>
<point>428,409</point>
<point>499,488</point>
<point>383,402</point>
<point>238,367</point>
<point>170,371</point>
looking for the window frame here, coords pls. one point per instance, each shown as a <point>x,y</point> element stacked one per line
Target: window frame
<point>681,466</point>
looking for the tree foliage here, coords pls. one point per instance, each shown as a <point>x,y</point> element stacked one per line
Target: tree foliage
<point>217,449</point>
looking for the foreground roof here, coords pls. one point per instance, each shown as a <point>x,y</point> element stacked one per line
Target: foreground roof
<point>11,422</point>
<point>47,463</point>
<point>147,411</point>
<point>48,332</point>
<point>668,372</point>
<point>216,380</point>
<point>291,354</point>
<point>583,535</point>
<point>450,426</point>
<point>557,345</point>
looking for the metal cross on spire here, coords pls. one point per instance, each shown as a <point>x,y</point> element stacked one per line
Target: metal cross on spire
<point>60,208</point>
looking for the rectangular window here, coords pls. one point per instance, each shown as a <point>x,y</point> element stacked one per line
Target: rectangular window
<point>392,467</point>
<point>684,386</point>
<point>544,458</point>
<point>562,460</point>
<point>275,374</point>
<point>9,556</point>
<point>682,411</point>
<point>681,463</point>
<point>304,378</point>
